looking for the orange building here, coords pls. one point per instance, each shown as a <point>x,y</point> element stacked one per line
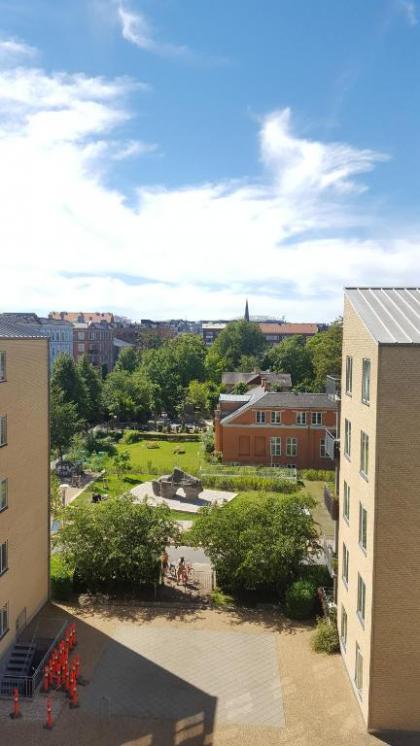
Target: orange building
<point>275,428</point>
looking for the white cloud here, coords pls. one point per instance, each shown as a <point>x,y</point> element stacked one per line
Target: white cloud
<point>13,49</point>
<point>136,29</point>
<point>409,9</point>
<point>288,241</point>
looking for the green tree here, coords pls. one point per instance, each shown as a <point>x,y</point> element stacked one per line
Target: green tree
<point>68,383</point>
<point>197,397</point>
<point>121,463</point>
<point>64,422</point>
<point>326,351</point>
<point>128,359</point>
<point>92,384</point>
<point>117,543</point>
<point>248,363</point>
<point>128,396</point>
<point>240,388</point>
<point>292,356</point>
<point>239,339</point>
<point>257,543</point>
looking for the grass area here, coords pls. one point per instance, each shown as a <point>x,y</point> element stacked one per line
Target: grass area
<point>164,458</point>
<point>320,513</point>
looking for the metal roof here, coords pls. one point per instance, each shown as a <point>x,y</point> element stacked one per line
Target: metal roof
<point>391,315</point>
<point>234,397</point>
<point>299,400</point>
<point>14,331</point>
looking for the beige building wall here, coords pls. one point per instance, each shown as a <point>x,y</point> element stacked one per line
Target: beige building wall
<point>24,461</point>
<point>358,344</point>
<point>395,662</point>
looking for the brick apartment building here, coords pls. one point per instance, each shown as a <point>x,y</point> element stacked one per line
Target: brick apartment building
<point>274,428</point>
<point>94,341</point>
<point>277,381</point>
<point>378,580</point>
<point>24,479</point>
<point>277,332</point>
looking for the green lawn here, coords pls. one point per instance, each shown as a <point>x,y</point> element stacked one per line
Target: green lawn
<point>164,458</point>
<point>320,513</point>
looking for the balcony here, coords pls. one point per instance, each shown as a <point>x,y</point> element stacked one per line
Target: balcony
<point>331,502</point>
<point>333,388</point>
<point>332,444</point>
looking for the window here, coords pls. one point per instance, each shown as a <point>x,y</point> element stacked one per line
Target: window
<point>317,418</point>
<point>322,448</point>
<point>3,494</point>
<point>358,673</point>
<point>80,335</point>
<point>346,502</point>
<point>275,446</point>
<point>275,418</point>
<point>349,374</point>
<point>365,381</point>
<point>300,418</point>
<point>291,447</point>
<point>345,573</point>
<point>4,619</point>
<point>260,418</point>
<point>364,453</point>
<point>2,366</point>
<point>343,631</point>
<point>81,347</point>
<point>362,526</point>
<point>347,438</point>
<point>3,430</point>
<point>3,557</point>
<point>361,598</point>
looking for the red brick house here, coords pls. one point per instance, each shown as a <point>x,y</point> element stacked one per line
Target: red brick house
<point>275,428</point>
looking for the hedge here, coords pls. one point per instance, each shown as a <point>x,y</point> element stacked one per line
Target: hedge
<point>134,436</point>
<point>325,637</point>
<point>61,579</point>
<point>300,599</point>
<point>317,475</point>
<point>244,483</point>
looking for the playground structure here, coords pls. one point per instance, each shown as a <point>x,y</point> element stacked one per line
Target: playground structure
<point>168,485</point>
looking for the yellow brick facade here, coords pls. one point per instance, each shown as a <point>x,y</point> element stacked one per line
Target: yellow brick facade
<point>24,462</point>
<point>389,637</point>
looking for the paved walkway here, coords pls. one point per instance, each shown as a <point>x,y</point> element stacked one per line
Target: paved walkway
<point>206,497</point>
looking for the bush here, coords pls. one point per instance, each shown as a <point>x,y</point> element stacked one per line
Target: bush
<point>179,451</point>
<point>316,574</point>
<point>325,637</point>
<point>171,437</point>
<point>152,446</point>
<point>300,599</point>
<point>132,436</point>
<point>245,483</point>
<point>61,579</point>
<point>317,475</point>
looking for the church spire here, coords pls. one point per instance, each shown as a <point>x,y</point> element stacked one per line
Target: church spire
<point>246,317</point>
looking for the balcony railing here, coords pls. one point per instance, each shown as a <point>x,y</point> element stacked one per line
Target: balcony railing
<point>332,444</point>
<point>333,387</point>
<point>331,502</point>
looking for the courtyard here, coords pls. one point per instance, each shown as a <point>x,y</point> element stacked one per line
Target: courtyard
<point>165,676</point>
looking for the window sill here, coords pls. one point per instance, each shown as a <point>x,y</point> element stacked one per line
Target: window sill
<point>345,583</point>
<point>3,509</point>
<point>360,618</point>
<point>346,456</point>
<point>4,633</point>
<point>349,394</point>
<point>364,476</point>
<point>364,550</point>
<point>343,644</point>
<point>3,445</point>
<point>4,572</point>
<point>346,519</point>
<point>365,402</point>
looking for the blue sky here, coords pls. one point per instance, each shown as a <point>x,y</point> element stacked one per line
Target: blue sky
<point>167,158</point>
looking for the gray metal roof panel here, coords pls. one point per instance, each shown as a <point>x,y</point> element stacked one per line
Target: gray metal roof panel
<point>391,315</point>
<point>14,331</point>
<point>292,400</point>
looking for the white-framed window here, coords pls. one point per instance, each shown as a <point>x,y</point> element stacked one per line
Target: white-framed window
<point>291,449</point>
<point>361,598</point>
<point>346,502</point>
<point>322,452</point>
<point>275,446</point>
<point>276,418</point>
<point>3,494</point>
<point>362,526</point>
<point>81,347</point>
<point>365,380</point>
<point>300,418</point>
<point>364,453</point>
<point>3,430</point>
<point>349,374</point>
<point>346,558</point>
<point>347,438</point>
<point>316,418</point>
<point>3,557</point>
<point>2,366</point>
<point>343,627</point>
<point>358,671</point>
<point>4,619</point>
<point>260,417</point>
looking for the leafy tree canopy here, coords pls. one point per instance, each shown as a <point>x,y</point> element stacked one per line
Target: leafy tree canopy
<point>292,356</point>
<point>92,383</point>
<point>237,340</point>
<point>128,396</point>
<point>128,359</point>
<point>257,543</point>
<point>67,382</point>
<point>326,350</point>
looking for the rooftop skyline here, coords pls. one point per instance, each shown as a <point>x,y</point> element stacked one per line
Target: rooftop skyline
<point>168,159</point>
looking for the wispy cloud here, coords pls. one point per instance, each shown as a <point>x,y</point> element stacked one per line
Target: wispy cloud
<point>12,49</point>
<point>409,9</point>
<point>136,29</point>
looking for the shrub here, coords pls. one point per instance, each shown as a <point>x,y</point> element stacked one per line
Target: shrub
<point>300,599</point>
<point>61,579</point>
<point>316,574</point>
<point>171,437</point>
<point>245,483</point>
<point>152,446</point>
<point>317,475</point>
<point>219,598</point>
<point>179,450</point>
<point>325,637</point>
<point>132,436</point>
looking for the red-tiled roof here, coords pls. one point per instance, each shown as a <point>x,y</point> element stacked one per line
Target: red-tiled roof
<point>289,328</point>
